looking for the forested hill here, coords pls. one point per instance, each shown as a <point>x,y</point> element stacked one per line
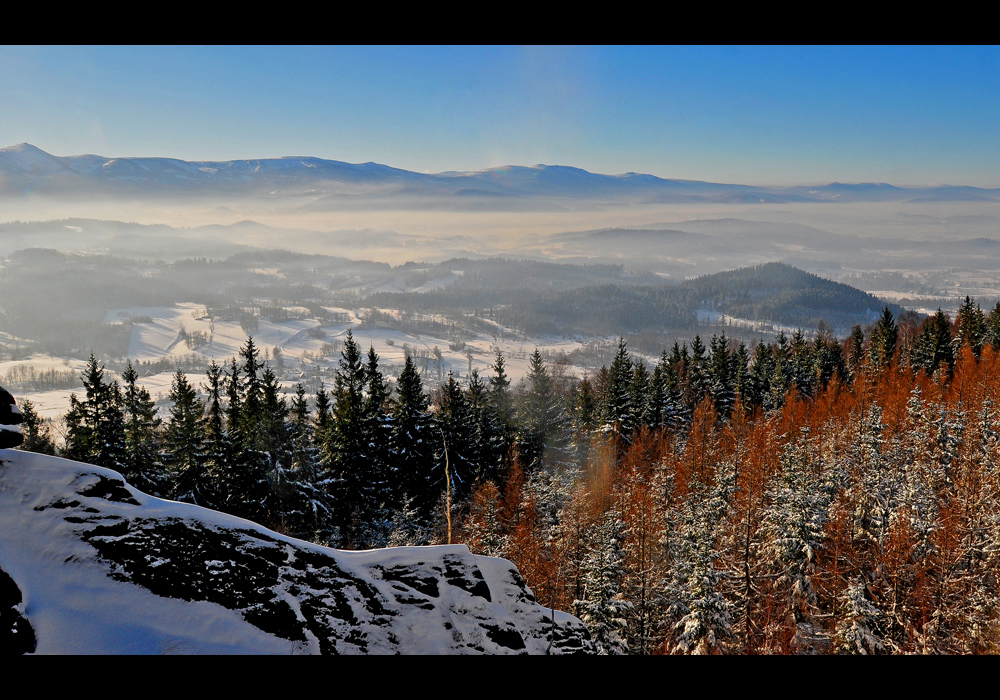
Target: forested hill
<point>624,304</point>
<point>784,294</point>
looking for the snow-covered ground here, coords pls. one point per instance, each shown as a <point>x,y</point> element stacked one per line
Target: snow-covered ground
<point>305,344</point>
<point>101,568</point>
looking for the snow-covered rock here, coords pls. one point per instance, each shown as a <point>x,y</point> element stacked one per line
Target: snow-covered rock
<point>89,564</point>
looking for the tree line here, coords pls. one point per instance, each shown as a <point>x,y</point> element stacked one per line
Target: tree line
<point>798,496</point>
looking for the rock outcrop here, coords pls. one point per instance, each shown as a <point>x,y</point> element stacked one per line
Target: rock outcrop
<point>105,568</point>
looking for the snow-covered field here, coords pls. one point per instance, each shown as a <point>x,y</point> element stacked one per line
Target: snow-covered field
<point>306,347</point>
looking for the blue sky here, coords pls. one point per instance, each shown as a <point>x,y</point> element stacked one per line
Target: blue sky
<point>761,115</point>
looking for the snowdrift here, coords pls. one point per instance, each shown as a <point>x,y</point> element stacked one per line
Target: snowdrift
<point>89,564</point>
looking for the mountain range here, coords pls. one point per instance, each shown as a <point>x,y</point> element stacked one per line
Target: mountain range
<point>24,169</point>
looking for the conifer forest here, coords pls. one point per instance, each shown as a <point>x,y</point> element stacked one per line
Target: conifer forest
<point>795,496</point>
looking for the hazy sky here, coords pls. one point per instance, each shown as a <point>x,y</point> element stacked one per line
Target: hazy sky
<point>754,115</point>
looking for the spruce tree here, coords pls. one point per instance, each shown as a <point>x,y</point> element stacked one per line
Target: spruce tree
<point>217,447</point>
<point>855,352</point>
<point>619,410</point>
<point>971,326</point>
<point>454,419</point>
<point>183,444</point>
<point>277,446</point>
<point>414,440</point>
<point>378,427</point>
<point>602,608</point>
<point>247,487</point>
<point>992,329</point>
<point>346,457</point>
<point>37,434</point>
<point>304,505</point>
<point>933,347</point>
<point>701,614</point>
<point>144,470</point>
<point>541,417</point>
<point>487,443</point>
<point>884,338</point>
<point>721,375</point>
<point>95,426</point>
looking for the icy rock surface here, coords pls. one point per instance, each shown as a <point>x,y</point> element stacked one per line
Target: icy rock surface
<point>99,567</point>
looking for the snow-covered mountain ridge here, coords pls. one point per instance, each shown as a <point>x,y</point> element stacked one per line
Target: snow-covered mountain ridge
<point>26,168</point>
<point>89,564</point>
